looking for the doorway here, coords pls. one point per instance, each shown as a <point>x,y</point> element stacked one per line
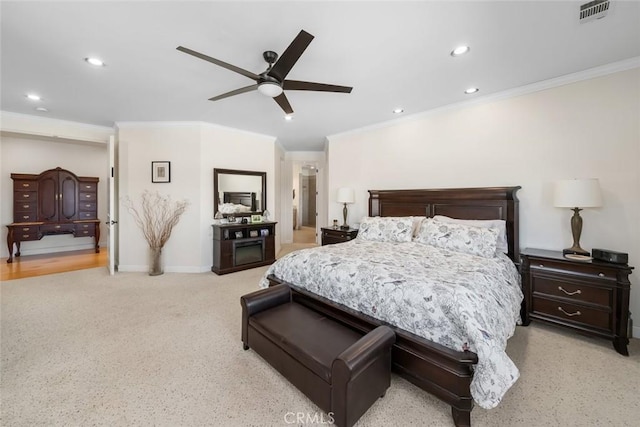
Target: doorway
<point>305,204</point>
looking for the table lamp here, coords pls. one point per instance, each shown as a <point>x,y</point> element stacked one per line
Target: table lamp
<point>346,196</point>
<point>577,194</point>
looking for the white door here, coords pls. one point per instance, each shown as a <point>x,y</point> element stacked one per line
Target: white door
<point>112,221</point>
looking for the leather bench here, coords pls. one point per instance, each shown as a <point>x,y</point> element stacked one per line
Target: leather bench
<point>339,369</point>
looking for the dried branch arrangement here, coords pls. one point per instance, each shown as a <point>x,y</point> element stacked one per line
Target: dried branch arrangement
<point>156,217</point>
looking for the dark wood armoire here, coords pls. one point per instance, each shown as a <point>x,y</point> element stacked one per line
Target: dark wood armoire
<point>56,201</point>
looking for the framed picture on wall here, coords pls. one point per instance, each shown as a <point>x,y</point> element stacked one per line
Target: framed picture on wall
<point>160,171</point>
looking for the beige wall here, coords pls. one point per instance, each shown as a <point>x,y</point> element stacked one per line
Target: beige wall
<point>194,150</point>
<point>579,130</point>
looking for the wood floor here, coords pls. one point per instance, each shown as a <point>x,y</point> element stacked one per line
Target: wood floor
<point>39,265</point>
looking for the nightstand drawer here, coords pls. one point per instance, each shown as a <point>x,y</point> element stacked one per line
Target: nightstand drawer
<point>578,292</point>
<point>342,235</point>
<point>574,313</point>
<point>586,270</point>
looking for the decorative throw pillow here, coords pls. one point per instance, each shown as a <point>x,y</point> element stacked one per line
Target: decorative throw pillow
<point>459,237</point>
<point>386,229</point>
<point>500,224</point>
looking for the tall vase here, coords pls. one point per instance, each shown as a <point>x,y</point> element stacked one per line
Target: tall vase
<point>155,262</point>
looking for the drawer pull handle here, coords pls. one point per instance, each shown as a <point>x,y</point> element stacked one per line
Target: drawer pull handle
<point>87,186</point>
<point>25,206</point>
<point>26,196</point>
<point>25,185</point>
<point>25,236</point>
<point>600,274</point>
<point>578,292</point>
<point>25,216</point>
<point>25,229</point>
<point>541,265</point>
<point>577,313</point>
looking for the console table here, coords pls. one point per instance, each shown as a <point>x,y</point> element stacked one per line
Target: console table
<point>55,201</point>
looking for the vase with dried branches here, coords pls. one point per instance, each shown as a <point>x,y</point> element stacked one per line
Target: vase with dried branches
<point>156,217</point>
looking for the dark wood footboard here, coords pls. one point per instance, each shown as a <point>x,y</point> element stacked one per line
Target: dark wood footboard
<point>443,372</point>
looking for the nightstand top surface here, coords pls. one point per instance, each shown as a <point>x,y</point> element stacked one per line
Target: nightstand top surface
<point>350,230</point>
<point>558,255</point>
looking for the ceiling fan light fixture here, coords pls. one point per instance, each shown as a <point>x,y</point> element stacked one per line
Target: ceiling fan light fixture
<point>270,89</point>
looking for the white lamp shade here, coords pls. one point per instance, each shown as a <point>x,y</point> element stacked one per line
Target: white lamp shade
<point>346,195</point>
<point>577,193</point>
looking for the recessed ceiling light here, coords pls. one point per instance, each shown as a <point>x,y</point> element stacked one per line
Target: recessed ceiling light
<point>34,97</point>
<point>94,61</point>
<point>42,109</point>
<point>288,117</point>
<point>398,111</point>
<point>471,90</point>
<point>460,50</point>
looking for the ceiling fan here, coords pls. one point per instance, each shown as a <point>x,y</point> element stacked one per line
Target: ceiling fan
<point>272,82</point>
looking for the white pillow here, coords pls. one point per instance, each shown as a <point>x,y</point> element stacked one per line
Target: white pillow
<point>386,229</point>
<point>229,208</point>
<point>459,237</point>
<point>500,224</point>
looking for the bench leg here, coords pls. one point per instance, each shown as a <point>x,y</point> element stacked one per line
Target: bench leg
<point>245,346</point>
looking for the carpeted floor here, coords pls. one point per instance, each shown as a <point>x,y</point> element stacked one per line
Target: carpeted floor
<point>84,348</point>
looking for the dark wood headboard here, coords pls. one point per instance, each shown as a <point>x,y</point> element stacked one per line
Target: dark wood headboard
<point>240,198</point>
<point>463,203</point>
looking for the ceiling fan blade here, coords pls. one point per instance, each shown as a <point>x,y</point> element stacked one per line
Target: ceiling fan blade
<point>283,102</point>
<point>222,64</point>
<point>234,92</point>
<point>290,56</point>
<point>318,87</point>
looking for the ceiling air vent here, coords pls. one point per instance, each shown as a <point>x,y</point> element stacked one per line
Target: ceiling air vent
<point>594,10</point>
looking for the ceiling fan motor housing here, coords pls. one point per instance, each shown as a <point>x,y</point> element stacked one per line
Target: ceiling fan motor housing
<point>270,56</point>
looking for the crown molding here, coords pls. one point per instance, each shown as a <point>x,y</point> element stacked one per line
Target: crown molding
<point>591,73</point>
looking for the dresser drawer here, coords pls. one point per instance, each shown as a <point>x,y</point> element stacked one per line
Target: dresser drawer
<point>25,236</point>
<point>576,291</point>
<point>573,313</point>
<point>87,215</point>
<point>85,229</point>
<point>57,228</point>
<point>88,186</point>
<point>24,217</point>
<point>585,270</point>
<point>26,206</point>
<point>84,197</point>
<point>20,185</point>
<point>88,206</point>
<point>25,196</point>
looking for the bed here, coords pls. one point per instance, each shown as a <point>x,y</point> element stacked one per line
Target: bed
<point>238,202</point>
<point>438,369</point>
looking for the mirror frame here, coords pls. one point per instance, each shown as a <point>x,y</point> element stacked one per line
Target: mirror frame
<point>216,198</point>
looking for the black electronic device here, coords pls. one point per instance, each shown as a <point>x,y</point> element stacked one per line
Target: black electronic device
<point>610,256</point>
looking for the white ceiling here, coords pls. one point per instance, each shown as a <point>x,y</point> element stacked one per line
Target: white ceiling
<point>392,53</point>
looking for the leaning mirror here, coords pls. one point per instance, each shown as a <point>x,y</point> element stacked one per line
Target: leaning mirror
<point>238,192</point>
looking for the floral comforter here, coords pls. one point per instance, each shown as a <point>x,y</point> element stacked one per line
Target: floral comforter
<point>458,300</point>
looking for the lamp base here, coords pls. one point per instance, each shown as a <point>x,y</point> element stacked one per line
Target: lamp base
<point>577,250</point>
<point>344,227</point>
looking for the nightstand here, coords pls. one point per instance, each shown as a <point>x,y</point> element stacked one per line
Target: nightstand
<point>336,235</point>
<point>588,296</point>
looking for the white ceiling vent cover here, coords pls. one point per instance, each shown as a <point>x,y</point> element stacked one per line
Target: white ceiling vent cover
<point>594,10</point>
